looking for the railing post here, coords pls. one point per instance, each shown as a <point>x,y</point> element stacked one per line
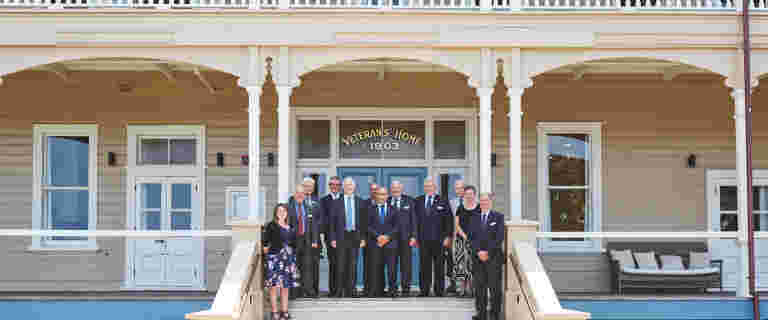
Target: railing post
<point>515,303</point>
<point>250,230</point>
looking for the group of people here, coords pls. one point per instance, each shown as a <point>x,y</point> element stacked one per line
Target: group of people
<point>463,235</point>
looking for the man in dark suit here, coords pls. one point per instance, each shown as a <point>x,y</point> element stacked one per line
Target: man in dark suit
<point>405,209</point>
<point>307,253</point>
<point>486,237</point>
<point>329,205</point>
<point>348,233</point>
<point>435,228</point>
<point>382,228</point>
<point>367,281</point>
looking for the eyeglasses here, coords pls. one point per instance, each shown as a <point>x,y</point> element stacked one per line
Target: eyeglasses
<point>334,184</point>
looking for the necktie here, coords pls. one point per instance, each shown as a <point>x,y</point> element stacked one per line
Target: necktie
<point>350,214</point>
<point>429,202</point>
<point>397,203</point>
<point>381,214</point>
<point>461,202</point>
<point>485,218</point>
<point>300,213</point>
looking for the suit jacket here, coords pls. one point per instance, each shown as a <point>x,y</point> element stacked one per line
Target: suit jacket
<point>435,223</point>
<point>273,240</point>
<point>310,226</point>
<point>326,206</point>
<point>337,223</point>
<point>406,219</point>
<point>388,228</point>
<point>489,238</point>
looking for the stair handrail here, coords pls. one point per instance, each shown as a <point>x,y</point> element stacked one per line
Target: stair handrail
<point>523,285</point>
<point>251,286</point>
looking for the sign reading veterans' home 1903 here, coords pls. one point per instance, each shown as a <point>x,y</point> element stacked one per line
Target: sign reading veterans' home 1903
<point>379,139</point>
<point>368,137</point>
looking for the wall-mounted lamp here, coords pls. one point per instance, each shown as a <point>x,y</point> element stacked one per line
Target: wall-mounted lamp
<point>244,159</point>
<point>493,160</point>
<point>270,159</point>
<point>219,159</point>
<point>692,161</point>
<point>111,161</point>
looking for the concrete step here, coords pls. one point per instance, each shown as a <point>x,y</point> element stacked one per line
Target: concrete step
<point>383,309</point>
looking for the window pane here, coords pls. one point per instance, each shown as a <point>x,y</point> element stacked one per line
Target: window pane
<point>568,211</point>
<point>181,221</point>
<point>181,196</point>
<point>452,178</point>
<point>154,151</point>
<point>151,221</point>
<point>314,139</point>
<point>403,140</point>
<point>357,137</point>
<point>183,151</point>
<point>412,185</point>
<point>241,205</point>
<point>729,222</point>
<point>151,195</point>
<point>450,140</point>
<point>568,159</point>
<point>66,210</point>
<point>760,198</point>
<point>728,198</point>
<point>67,161</point>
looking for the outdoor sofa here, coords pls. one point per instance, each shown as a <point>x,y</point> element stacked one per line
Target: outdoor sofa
<point>663,266</point>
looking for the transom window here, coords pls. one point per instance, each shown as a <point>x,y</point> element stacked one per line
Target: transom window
<point>167,150</point>
<point>65,168</point>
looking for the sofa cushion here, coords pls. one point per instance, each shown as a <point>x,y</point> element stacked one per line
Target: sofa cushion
<point>671,263</point>
<point>624,257</point>
<point>700,260</point>
<point>646,260</point>
<point>694,272</point>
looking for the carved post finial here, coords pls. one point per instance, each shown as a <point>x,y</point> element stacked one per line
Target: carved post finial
<point>269,65</point>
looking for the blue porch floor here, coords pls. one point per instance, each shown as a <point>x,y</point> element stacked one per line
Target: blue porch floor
<point>159,309</point>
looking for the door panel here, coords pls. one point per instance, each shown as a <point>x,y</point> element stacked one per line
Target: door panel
<point>413,186</point>
<point>149,262</point>
<point>167,204</point>
<point>412,180</point>
<point>725,218</point>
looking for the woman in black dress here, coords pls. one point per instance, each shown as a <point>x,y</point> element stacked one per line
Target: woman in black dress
<point>462,259</point>
<point>280,250</point>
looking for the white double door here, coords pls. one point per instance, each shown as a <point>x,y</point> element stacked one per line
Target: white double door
<point>724,217</point>
<point>167,204</point>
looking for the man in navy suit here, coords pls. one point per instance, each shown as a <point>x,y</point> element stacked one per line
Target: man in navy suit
<point>367,281</point>
<point>348,230</point>
<point>405,209</point>
<point>435,228</point>
<point>486,237</point>
<point>329,204</point>
<point>383,230</point>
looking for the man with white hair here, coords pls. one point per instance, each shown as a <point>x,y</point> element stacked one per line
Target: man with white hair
<point>486,237</point>
<point>300,218</point>
<point>347,232</point>
<point>434,232</point>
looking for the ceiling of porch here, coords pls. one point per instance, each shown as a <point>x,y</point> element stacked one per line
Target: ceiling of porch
<point>666,69</point>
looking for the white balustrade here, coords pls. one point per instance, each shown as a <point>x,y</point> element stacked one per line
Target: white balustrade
<point>498,5</point>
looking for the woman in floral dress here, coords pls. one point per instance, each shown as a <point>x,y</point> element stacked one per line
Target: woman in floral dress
<point>281,271</point>
<point>462,253</point>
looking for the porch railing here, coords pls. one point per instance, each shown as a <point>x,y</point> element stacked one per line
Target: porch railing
<point>471,5</point>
